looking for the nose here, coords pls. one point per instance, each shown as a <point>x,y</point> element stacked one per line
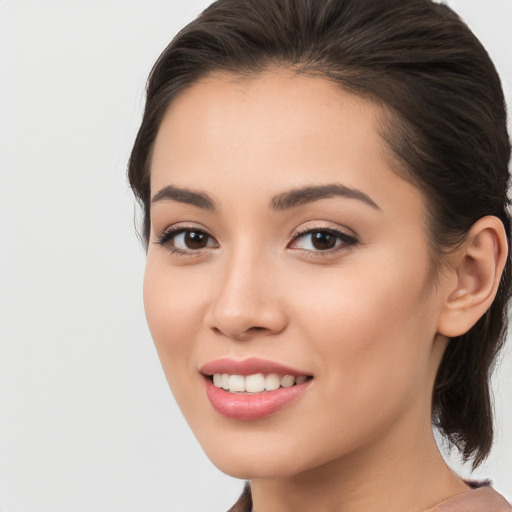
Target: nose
<point>247,302</point>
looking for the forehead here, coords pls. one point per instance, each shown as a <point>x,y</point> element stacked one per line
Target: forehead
<point>269,132</point>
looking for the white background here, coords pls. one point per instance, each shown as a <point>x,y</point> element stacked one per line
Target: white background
<point>86,420</point>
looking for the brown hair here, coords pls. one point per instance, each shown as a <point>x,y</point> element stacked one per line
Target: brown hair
<point>446,127</point>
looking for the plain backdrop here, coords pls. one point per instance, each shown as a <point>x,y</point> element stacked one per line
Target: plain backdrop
<point>87,423</point>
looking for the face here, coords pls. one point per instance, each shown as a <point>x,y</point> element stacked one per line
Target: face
<point>288,260</point>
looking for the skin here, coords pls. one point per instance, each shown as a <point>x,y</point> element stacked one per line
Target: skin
<point>366,320</point>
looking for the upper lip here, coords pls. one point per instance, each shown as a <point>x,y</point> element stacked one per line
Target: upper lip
<point>248,366</point>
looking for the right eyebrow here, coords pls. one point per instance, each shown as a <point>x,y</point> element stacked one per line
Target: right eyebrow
<point>184,195</point>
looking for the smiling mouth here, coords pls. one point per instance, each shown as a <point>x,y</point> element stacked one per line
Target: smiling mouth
<point>255,383</point>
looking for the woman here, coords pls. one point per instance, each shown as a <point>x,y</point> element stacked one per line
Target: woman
<point>324,192</point>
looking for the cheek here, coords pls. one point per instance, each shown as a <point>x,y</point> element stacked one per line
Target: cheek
<point>372,331</point>
<point>173,310</point>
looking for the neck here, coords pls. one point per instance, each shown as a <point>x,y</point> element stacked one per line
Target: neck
<point>403,474</point>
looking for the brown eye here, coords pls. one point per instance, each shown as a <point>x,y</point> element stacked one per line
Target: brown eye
<point>186,240</point>
<point>195,239</point>
<point>322,240</point>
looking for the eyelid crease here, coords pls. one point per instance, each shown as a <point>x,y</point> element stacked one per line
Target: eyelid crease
<point>336,231</point>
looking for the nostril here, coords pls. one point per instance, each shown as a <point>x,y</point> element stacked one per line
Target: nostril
<point>242,335</point>
<point>243,323</point>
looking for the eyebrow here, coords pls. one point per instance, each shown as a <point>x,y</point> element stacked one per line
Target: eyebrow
<point>184,195</point>
<point>286,200</point>
<point>304,195</point>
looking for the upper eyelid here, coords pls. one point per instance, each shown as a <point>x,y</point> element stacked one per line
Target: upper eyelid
<point>178,227</point>
<point>297,233</point>
<point>348,243</point>
<point>168,234</point>
<point>312,229</point>
<point>172,231</point>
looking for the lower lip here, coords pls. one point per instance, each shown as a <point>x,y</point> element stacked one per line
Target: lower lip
<point>243,406</point>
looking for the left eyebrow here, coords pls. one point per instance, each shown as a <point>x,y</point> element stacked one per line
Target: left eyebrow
<point>304,195</point>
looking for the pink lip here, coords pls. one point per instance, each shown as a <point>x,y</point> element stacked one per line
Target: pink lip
<point>241,406</point>
<point>248,367</point>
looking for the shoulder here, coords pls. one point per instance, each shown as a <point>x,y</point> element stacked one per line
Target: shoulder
<point>481,498</point>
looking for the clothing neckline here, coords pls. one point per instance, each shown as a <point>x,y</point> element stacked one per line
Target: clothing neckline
<point>480,492</point>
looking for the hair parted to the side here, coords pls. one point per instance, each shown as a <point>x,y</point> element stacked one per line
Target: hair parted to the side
<point>446,126</point>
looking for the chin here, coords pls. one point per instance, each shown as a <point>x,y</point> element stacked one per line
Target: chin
<point>247,469</point>
<point>247,460</point>
<point>246,463</point>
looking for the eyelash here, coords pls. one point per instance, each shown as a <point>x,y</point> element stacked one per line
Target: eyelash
<point>346,241</point>
<point>168,235</point>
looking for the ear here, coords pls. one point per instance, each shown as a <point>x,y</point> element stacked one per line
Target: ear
<point>476,267</point>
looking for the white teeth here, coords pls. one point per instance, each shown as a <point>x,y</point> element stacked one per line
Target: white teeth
<point>272,381</point>
<point>236,383</point>
<point>287,381</point>
<point>255,383</point>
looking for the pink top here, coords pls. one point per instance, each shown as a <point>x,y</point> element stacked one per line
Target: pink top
<point>478,499</point>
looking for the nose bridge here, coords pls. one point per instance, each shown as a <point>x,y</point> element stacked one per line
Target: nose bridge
<point>247,301</point>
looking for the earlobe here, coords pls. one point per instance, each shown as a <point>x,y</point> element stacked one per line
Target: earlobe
<point>478,265</point>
